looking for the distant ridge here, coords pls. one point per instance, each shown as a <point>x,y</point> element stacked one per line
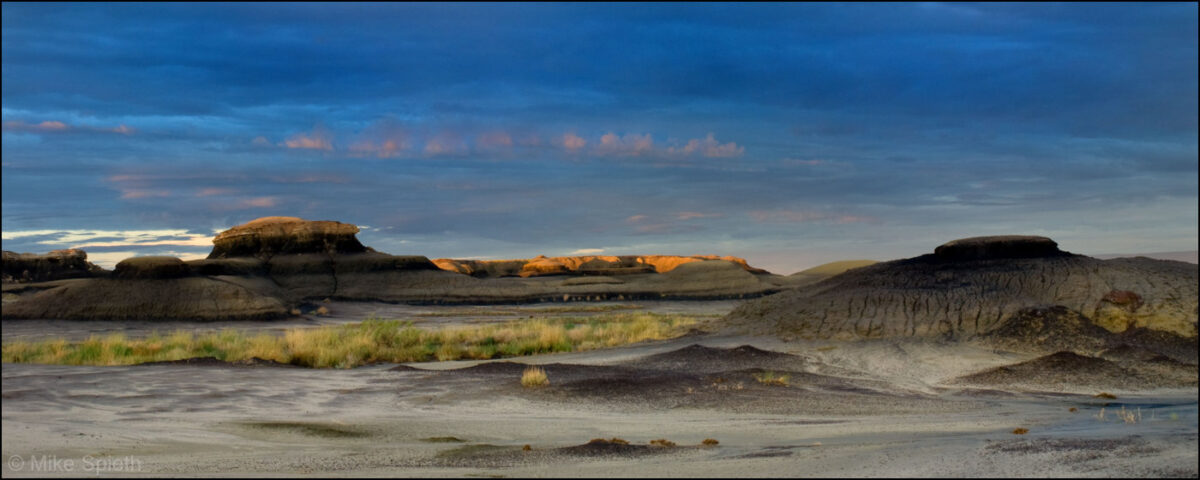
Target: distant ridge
<point>1191,256</point>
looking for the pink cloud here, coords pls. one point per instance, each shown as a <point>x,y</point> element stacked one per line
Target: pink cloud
<point>258,202</point>
<point>630,144</point>
<point>573,142</point>
<point>445,144</point>
<point>804,216</point>
<point>635,219</point>
<point>319,139</point>
<point>133,193</point>
<point>56,126</point>
<point>212,192</point>
<point>691,215</point>
<point>709,147</point>
<point>492,140</point>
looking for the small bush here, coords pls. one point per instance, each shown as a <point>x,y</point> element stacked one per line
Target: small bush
<point>1020,431</point>
<point>708,442</point>
<point>1073,410</point>
<point>662,442</point>
<point>526,448</point>
<point>1106,395</point>
<point>534,377</point>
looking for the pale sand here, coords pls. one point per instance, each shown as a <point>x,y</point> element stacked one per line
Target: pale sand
<point>189,420</point>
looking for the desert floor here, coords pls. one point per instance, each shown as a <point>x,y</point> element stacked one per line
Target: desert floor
<point>868,408</point>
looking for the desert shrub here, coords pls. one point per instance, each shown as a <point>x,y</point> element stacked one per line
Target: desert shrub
<point>534,377</point>
<point>1020,431</point>
<point>1106,395</point>
<point>708,442</point>
<point>662,442</point>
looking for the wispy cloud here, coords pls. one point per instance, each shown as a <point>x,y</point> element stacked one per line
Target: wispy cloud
<point>573,142</point>
<point>54,126</point>
<point>445,143</point>
<point>709,147</point>
<point>630,144</point>
<point>805,216</point>
<point>494,140</point>
<point>588,251</point>
<point>319,139</point>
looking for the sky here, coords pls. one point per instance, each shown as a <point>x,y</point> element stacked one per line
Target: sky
<point>787,134</point>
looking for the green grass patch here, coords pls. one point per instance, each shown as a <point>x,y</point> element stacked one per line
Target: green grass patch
<point>372,341</point>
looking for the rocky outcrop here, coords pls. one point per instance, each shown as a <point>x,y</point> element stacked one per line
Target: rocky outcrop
<point>270,236</point>
<point>998,247</point>
<point>269,266</point>
<point>966,292</point>
<point>180,298</point>
<point>55,265</point>
<point>581,265</point>
<point>151,268</point>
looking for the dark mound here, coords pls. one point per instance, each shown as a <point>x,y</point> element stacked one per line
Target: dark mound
<point>55,265</point>
<point>1062,370</point>
<point>1181,349</point>
<point>699,358</point>
<point>1055,327</point>
<point>998,247</point>
<point>973,287</point>
<point>270,236</point>
<point>602,448</point>
<point>151,268</point>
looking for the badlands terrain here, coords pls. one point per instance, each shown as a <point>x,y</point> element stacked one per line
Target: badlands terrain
<point>990,356</point>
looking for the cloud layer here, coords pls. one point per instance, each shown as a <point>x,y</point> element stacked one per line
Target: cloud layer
<point>790,132</point>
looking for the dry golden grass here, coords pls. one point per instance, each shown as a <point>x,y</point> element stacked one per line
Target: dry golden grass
<point>772,378</point>
<point>1020,431</point>
<point>372,341</point>
<point>534,377</point>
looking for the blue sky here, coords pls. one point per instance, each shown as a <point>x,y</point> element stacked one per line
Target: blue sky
<point>789,134</point>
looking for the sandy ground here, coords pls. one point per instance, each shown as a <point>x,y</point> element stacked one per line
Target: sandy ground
<point>878,408</point>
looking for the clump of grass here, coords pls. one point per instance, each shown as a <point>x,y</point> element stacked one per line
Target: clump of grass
<point>772,378</point>
<point>662,442</point>
<point>1072,409</point>
<point>534,377</point>
<point>371,341</point>
<point>1106,395</point>
<point>709,442</point>
<point>527,447</point>
<point>1020,431</point>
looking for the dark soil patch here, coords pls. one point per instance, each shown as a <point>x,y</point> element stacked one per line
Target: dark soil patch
<point>699,358</point>
<point>214,362</point>
<point>322,430</point>
<point>1062,368</point>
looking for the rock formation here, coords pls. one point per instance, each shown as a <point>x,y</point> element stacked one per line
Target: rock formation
<point>269,266</point>
<point>972,286</point>
<point>270,236</point>
<point>55,265</point>
<point>582,265</point>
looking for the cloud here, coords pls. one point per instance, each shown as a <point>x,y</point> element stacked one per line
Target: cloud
<point>259,202</point>
<point>133,193</point>
<point>214,191</point>
<point>319,139</point>
<point>709,147</point>
<point>573,142</point>
<point>54,126</point>
<point>691,215</point>
<point>631,144</point>
<point>804,216</point>
<point>445,143</point>
<point>494,140</point>
<point>588,251</point>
